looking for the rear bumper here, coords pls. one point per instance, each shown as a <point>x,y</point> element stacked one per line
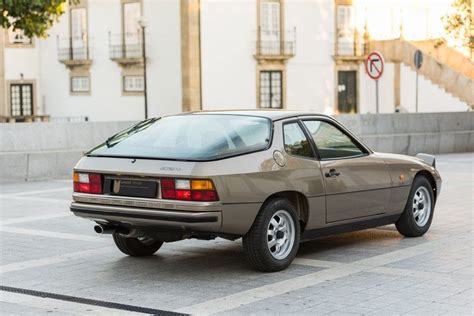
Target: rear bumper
<point>208,221</point>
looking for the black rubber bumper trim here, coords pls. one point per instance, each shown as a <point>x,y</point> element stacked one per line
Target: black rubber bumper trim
<point>87,301</point>
<point>350,227</point>
<point>204,219</point>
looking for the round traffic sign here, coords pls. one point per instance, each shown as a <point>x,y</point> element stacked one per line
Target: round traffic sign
<point>374,65</point>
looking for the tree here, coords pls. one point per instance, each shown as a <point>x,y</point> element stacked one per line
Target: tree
<point>460,25</point>
<point>34,17</point>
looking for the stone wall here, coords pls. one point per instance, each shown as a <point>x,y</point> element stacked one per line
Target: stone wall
<point>33,151</point>
<point>412,133</point>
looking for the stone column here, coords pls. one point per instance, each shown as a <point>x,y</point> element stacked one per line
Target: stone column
<point>396,85</point>
<point>191,55</point>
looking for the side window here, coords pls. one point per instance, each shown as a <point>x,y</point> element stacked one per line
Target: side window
<point>332,143</point>
<point>295,141</point>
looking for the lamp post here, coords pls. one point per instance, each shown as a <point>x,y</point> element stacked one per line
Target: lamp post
<point>143,25</point>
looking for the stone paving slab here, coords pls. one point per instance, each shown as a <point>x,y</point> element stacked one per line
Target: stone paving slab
<point>371,272</point>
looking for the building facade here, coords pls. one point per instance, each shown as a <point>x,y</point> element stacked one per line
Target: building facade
<point>227,54</point>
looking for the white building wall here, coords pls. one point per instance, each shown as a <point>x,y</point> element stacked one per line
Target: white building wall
<point>367,91</point>
<point>228,73</point>
<point>106,101</point>
<point>23,61</point>
<point>431,98</point>
<point>310,73</point>
<point>164,62</point>
<point>229,68</point>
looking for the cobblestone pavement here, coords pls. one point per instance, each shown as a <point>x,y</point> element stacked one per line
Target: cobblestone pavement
<point>51,261</point>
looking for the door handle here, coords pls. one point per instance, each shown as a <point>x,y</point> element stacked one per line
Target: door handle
<point>332,173</point>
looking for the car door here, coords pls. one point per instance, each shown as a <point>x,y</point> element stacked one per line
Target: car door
<point>357,184</point>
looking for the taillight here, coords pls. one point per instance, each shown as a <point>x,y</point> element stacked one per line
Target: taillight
<point>188,190</point>
<point>88,183</point>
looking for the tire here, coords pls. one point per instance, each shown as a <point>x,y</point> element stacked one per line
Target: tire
<point>420,201</point>
<point>135,247</point>
<point>256,242</point>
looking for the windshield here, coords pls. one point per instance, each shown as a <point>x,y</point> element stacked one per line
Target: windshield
<point>190,137</point>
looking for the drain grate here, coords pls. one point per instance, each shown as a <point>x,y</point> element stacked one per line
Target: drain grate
<point>87,301</point>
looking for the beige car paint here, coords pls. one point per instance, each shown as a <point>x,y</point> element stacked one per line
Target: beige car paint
<point>368,187</point>
<point>362,189</point>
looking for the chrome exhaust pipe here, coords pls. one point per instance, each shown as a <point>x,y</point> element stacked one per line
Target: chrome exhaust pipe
<point>100,229</point>
<point>105,229</point>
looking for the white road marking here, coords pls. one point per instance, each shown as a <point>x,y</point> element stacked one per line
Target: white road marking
<point>53,260</point>
<point>316,263</point>
<point>45,233</point>
<point>33,218</point>
<point>257,294</point>
<point>53,305</point>
<point>405,253</point>
<point>69,188</point>
<point>35,199</point>
<point>415,273</point>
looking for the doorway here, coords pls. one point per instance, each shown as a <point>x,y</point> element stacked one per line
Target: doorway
<point>21,99</point>
<point>347,91</point>
<point>271,89</point>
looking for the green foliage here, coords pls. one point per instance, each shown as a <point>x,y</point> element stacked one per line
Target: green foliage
<point>34,17</point>
<point>460,24</point>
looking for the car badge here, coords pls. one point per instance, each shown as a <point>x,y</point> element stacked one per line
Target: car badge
<point>116,187</point>
<point>134,160</point>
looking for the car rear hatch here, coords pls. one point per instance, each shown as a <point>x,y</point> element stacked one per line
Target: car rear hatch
<point>145,192</point>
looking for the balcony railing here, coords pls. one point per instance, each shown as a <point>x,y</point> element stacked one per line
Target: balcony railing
<point>64,119</point>
<point>24,118</point>
<point>275,46</point>
<point>73,50</point>
<point>351,49</point>
<point>125,47</point>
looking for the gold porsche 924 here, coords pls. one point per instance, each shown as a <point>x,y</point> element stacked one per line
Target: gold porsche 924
<point>274,178</point>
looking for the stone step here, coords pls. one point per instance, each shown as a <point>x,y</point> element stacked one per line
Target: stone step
<point>442,65</point>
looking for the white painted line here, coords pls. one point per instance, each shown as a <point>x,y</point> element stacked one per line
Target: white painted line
<point>34,199</point>
<point>316,263</point>
<point>45,233</point>
<point>35,263</point>
<point>415,273</point>
<point>69,188</point>
<point>53,260</point>
<point>257,294</point>
<point>33,218</point>
<point>402,254</point>
<point>58,306</point>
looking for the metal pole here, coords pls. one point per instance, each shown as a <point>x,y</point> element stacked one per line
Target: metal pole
<point>416,92</point>
<point>71,49</point>
<point>144,73</point>
<point>377,96</point>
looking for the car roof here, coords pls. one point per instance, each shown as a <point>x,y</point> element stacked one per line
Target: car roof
<point>274,115</point>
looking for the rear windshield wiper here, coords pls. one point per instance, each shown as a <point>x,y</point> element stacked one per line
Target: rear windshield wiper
<point>115,139</point>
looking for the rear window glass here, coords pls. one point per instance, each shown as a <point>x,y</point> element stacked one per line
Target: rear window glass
<point>190,137</point>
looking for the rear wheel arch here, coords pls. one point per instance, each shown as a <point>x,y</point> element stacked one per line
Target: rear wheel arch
<point>298,200</point>
<point>426,174</point>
